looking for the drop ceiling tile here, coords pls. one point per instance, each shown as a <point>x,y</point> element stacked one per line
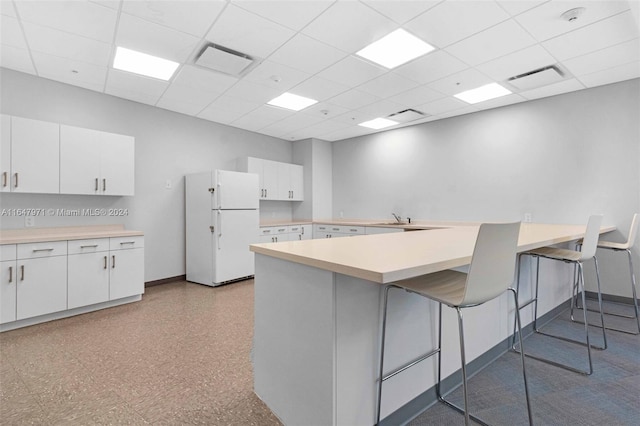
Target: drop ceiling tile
<point>609,57</point>
<point>442,106</point>
<point>11,33</point>
<point>516,7</point>
<point>499,102</point>
<point>545,21</point>
<point>400,11</point>
<point>82,18</point>
<point>553,89</point>
<point>292,123</point>
<point>431,67</point>
<point>517,63</point>
<point>197,97</point>
<point>292,14</point>
<point>458,112</point>
<point>346,133</point>
<point>470,17</point>
<point>319,88</point>
<point>7,9</point>
<point>253,92</point>
<point>16,59</point>
<point>261,117</point>
<point>66,45</point>
<point>307,54</point>
<point>349,26</point>
<point>245,32</point>
<point>382,108</point>
<point>202,79</point>
<point>460,82</point>
<point>416,96</point>
<point>234,104</point>
<point>352,71</point>
<point>61,69</point>
<point>183,107</point>
<point>316,130</point>
<point>146,37</point>
<point>276,76</point>
<point>220,114</point>
<point>497,41</point>
<point>353,99</point>
<point>113,4</point>
<point>387,85</point>
<point>324,111</point>
<point>134,87</point>
<point>612,75</point>
<point>605,33</point>
<point>192,17</point>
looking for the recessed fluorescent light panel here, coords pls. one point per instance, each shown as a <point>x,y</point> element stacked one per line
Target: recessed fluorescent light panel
<point>395,49</point>
<point>378,123</point>
<point>483,93</point>
<point>143,64</point>
<point>290,101</point>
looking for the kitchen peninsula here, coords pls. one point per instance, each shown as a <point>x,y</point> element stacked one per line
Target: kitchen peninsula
<point>317,318</point>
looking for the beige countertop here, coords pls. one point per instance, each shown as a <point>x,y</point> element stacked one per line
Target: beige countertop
<point>32,235</point>
<point>381,223</point>
<point>385,258</point>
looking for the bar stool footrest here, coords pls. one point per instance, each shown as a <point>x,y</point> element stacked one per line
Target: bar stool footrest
<point>554,363</point>
<point>566,339</point>
<point>461,411</point>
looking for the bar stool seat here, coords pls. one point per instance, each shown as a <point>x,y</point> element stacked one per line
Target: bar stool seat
<point>556,254</point>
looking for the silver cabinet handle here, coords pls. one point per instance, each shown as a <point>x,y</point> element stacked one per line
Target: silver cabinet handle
<point>89,246</point>
<point>303,230</point>
<point>16,177</point>
<point>127,242</point>
<point>104,185</point>
<point>4,179</point>
<point>44,249</point>
<point>265,193</point>
<point>113,262</point>
<point>21,272</point>
<point>10,274</point>
<point>97,187</point>
<point>105,262</point>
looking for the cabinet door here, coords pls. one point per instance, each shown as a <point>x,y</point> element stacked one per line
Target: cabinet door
<point>255,165</point>
<point>41,286</point>
<point>5,153</point>
<point>35,156</point>
<point>296,176</point>
<point>126,273</point>
<point>284,181</point>
<point>88,280</point>
<point>305,232</point>
<point>7,291</point>
<point>80,160</point>
<point>270,179</point>
<point>117,164</point>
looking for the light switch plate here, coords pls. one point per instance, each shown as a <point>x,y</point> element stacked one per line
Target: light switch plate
<point>29,221</point>
<point>528,218</point>
<point>168,184</point>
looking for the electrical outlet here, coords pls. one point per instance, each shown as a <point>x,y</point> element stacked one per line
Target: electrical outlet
<point>528,217</point>
<point>168,184</point>
<point>29,221</point>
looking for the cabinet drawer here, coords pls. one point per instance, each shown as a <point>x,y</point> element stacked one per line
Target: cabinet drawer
<point>126,243</point>
<point>281,230</point>
<point>88,246</point>
<point>354,230</point>
<point>8,252</point>
<point>267,230</point>
<point>295,229</point>
<point>47,249</point>
<point>322,228</point>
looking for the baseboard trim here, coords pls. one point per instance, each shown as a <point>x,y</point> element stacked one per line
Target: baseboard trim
<point>424,401</point>
<point>165,281</point>
<point>610,298</point>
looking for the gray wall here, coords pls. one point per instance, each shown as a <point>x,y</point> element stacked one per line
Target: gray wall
<point>316,157</point>
<point>561,159</point>
<point>168,146</point>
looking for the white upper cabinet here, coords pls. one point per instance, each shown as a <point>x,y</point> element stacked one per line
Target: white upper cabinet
<point>5,153</point>
<point>296,182</point>
<point>278,181</point>
<point>34,151</point>
<point>95,162</point>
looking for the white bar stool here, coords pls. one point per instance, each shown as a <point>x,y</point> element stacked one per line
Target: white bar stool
<point>622,247</point>
<point>577,258</point>
<point>491,273</point>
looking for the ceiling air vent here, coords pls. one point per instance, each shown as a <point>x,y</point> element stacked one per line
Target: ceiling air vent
<point>537,78</point>
<point>222,59</point>
<point>407,115</point>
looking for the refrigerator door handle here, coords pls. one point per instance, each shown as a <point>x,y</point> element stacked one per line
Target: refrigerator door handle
<point>219,223</point>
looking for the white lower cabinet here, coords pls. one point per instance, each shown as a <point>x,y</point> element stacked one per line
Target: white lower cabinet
<point>8,268</point>
<point>42,286</point>
<point>88,272</point>
<point>126,276</point>
<point>336,231</point>
<point>277,234</point>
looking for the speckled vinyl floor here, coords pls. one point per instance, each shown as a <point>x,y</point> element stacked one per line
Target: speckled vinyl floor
<point>181,356</point>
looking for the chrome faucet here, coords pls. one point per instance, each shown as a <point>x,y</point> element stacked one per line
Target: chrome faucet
<point>398,218</point>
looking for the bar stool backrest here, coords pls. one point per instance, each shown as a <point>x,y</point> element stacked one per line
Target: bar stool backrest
<point>633,232</point>
<point>493,262</point>
<point>590,240</point>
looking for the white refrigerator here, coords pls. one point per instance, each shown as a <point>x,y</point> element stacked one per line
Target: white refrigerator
<point>222,220</point>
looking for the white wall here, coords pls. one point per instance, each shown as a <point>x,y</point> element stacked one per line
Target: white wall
<point>168,146</point>
<point>316,157</point>
<point>561,158</point>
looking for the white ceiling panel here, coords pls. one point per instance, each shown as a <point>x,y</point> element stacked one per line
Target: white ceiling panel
<point>261,117</point>
<point>132,95</point>
<point>201,79</point>
<point>292,123</point>
<point>197,97</point>
<point>324,110</point>
<point>553,89</point>
<point>499,102</point>
<point>77,73</point>
<point>349,26</point>
<point>381,108</point>
<point>11,33</point>
<point>317,129</point>
<point>319,88</point>
<point>517,63</point>
<point>235,104</point>
<point>292,14</point>
<point>401,11</point>
<point>113,4</point>
<point>248,33</point>
<point>276,76</point>
<point>7,9</point>
<point>610,57</point>
<point>353,99</point>
<point>253,92</point>
<point>387,85</point>
<point>307,54</point>
<point>148,90</point>
<point>612,75</point>
<point>442,106</point>
<point>605,33</point>
<point>417,96</point>
<point>194,20</point>
<point>16,59</point>
<point>220,114</point>
<point>516,7</point>
<point>351,71</point>
<point>183,107</point>
<point>146,37</point>
<point>457,112</point>
<point>431,67</point>
<point>459,82</point>
<point>545,21</point>
<point>346,133</point>
<point>66,45</point>
<point>500,40</point>
<point>470,17</point>
<point>78,17</point>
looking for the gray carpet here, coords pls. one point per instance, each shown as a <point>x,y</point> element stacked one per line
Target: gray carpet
<point>610,396</point>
